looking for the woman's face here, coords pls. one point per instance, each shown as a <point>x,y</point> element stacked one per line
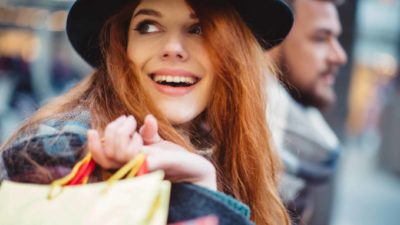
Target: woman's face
<point>166,45</point>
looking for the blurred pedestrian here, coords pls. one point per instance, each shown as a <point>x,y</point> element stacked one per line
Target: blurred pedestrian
<point>309,59</point>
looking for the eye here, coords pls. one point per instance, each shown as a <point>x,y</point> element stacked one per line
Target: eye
<point>195,29</point>
<point>320,38</point>
<point>146,27</point>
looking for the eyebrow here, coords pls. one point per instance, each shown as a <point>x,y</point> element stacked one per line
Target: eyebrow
<point>152,12</point>
<point>148,12</point>
<point>328,32</point>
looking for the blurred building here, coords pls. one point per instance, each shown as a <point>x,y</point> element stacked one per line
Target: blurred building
<point>36,61</point>
<point>367,190</point>
<point>376,57</point>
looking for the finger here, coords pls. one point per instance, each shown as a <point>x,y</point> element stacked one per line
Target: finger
<point>149,130</point>
<point>109,136</point>
<point>123,137</point>
<point>109,131</point>
<point>94,143</point>
<point>116,137</point>
<point>157,158</point>
<point>97,151</point>
<point>134,147</point>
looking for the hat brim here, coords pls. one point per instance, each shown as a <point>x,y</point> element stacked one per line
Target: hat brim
<point>270,21</point>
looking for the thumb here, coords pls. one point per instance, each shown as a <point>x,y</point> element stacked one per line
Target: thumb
<point>94,142</point>
<point>149,130</point>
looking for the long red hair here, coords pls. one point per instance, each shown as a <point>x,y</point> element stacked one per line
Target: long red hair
<point>246,163</point>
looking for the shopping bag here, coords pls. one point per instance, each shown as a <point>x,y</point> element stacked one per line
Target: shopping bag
<point>139,200</point>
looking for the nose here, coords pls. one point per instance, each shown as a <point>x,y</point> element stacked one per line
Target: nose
<point>338,55</point>
<point>174,48</point>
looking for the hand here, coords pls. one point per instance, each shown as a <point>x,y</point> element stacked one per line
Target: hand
<point>180,165</point>
<point>121,143</point>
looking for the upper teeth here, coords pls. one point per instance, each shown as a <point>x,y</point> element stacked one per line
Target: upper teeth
<point>174,79</point>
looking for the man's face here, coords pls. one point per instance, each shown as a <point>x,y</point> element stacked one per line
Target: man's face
<point>311,54</point>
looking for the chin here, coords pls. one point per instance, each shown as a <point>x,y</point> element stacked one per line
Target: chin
<point>177,118</point>
<point>178,121</point>
<point>178,113</point>
<point>322,101</point>
<point>325,103</point>
<point>323,98</point>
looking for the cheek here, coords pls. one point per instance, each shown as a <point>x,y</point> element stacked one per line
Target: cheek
<point>134,53</point>
<point>312,59</point>
<point>204,94</point>
<point>139,51</point>
<point>200,56</point>
<point>300,69</point>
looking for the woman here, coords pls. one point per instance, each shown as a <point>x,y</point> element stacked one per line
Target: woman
<point>196,67</point>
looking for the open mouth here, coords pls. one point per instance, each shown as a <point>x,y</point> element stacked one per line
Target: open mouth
<point>174,81</point>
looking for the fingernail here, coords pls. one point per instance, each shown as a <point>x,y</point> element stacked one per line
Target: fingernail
<point>148,117</point>
<point>123,117</point>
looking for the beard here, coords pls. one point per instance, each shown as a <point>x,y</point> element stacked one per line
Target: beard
<point>322,97</point>
<point>311,97</point>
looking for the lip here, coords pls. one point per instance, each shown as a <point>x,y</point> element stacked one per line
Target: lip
<point>174,91</point>
<point>175,72</point>
<point>329,79</point>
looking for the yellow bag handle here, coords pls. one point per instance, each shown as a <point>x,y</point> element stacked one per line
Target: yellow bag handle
<point>129,170</point>
<point>66,179</point>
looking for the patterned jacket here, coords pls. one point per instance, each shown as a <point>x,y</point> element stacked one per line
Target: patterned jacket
<point>49,151</point>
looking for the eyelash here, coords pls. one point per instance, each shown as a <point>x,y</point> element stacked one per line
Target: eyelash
<point>143,29</point>
<point>193,30</point>
<point>320,38</point>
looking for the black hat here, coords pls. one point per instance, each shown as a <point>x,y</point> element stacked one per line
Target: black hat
<point>270,21</point>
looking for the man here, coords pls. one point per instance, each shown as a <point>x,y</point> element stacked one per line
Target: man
<point>309,59</point>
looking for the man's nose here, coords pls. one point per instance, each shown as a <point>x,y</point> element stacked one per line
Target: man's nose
<point>338,55</point>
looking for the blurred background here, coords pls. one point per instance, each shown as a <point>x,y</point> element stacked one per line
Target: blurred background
<point>37,63</point>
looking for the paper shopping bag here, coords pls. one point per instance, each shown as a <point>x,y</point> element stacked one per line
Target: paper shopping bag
<point>140,200</point>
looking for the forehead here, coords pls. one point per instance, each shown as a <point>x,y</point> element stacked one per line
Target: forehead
<point>317,14</point>
<point>166,6</point>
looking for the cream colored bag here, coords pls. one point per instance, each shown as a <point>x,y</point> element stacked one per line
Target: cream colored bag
<point>140,200</point>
